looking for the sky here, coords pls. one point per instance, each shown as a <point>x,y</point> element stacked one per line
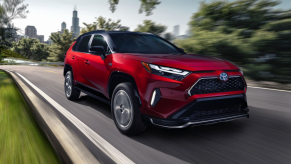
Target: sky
<point>48,15</point>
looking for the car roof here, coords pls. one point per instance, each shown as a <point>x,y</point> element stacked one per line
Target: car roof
<point>111,32</point>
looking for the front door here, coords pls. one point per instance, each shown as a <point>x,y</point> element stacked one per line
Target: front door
<point>96,69</point>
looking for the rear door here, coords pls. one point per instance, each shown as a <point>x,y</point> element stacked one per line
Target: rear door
<point>96,69</point>
<point>79,56</point>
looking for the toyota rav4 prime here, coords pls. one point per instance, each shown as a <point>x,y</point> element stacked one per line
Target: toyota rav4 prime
<point>149,81</point>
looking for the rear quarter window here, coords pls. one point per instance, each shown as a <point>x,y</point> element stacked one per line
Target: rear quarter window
<point>75,46</point>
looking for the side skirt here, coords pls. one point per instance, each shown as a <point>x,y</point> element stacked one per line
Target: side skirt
<point>93,93</point>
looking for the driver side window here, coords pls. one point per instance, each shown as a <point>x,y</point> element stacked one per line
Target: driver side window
<point>98,40</point>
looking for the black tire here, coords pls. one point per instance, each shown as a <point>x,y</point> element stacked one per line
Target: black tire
<point>74,94</point>
<point>125,93</point>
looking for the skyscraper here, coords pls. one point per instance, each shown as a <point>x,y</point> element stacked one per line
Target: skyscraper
<point>75,24</point>
<point>31,31</point>
<point>40,38</point>
<point>176,30</point>
<point>64,26</point>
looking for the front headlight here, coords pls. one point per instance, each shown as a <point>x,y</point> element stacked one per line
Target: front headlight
<point>171,73</point>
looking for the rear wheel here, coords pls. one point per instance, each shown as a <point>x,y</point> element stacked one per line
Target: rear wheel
<point>71,92</point>
<point>125,110</point>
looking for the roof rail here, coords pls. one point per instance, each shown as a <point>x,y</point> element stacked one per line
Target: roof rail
<point>91,32</point>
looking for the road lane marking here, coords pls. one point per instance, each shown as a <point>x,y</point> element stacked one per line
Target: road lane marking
<point>95,138</point>
<point>269,89</point>
<point>50,71</point>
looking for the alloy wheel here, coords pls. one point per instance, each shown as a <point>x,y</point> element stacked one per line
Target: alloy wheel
<point>122,109</point>
<point>68,86</point>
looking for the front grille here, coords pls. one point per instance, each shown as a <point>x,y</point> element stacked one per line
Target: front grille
<point>222,111</point>
<point>214,85</point>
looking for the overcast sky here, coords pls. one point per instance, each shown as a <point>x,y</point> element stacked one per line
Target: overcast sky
<point>47,15</point>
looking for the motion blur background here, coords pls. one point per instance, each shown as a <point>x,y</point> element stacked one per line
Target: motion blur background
<point>254,34</point>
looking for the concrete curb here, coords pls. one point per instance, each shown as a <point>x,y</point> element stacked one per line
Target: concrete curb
<point>66,144</point>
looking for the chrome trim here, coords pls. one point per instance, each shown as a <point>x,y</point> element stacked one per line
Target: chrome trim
<point>105,37</point>
<point>153,97</point>
<point>205,122</point>
<point>213,78</point>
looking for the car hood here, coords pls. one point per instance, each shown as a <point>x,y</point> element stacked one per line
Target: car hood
<point>185,61</point>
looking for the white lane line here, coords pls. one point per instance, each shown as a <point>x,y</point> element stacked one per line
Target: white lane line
<point>269,89</point>
<point>101,143</point>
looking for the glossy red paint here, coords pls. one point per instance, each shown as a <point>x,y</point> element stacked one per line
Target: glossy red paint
<point>76,60</point>
<point>174,93</point>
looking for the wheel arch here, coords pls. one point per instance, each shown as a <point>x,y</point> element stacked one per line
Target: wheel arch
<point>67,68</point>
<point>120,77</point>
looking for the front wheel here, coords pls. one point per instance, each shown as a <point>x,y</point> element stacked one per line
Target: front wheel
<point>125,110</point>
<point>71,92</point>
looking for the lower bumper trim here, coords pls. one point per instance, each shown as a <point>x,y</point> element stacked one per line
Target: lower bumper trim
<point>204,122</point>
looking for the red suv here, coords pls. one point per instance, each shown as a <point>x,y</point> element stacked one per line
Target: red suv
<point>149,81</point>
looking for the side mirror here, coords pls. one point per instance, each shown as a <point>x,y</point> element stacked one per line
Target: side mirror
<point>98,50</point>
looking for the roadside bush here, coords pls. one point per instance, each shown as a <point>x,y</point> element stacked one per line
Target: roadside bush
<point>31,49</point>
<point>8,53</point>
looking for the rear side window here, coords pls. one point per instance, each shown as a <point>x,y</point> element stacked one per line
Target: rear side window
<point>98,40</point>
<point>83,45</point>
<point>75,46</point>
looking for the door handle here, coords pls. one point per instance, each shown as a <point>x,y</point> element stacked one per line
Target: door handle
<point>73,57</point>
<point>86,62</point>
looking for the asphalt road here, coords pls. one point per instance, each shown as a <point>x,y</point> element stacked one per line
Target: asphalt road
<point>263,138</point>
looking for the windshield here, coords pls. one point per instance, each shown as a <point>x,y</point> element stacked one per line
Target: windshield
<point>142,43</point>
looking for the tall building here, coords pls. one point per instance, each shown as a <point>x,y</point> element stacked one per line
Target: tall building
<point>40,38</point>
<point>49,41</point>
<point>31,31</point>
<point>75,24</point>
<point>19,37</point>
<point>176,30</point>
<point>64,26</point>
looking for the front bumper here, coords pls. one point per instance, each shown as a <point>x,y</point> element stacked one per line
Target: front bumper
<point>204,111</point>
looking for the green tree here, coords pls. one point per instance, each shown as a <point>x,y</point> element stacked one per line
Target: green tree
<point>168,36</point>
<point>9,10</point>
<point>31,48</point>
<point>12,9</point>
<point>151,27</point>
<point>24,47</point>
<point>251,33</point>
<point>40,51</point>
<point>146,6</point>
<point>101,24</point>
<point>61,43</point>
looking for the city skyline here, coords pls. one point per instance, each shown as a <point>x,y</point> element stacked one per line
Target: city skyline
<point>75,28</point>
<point>41,14</point>
<point>31,32</point>
<point>176,30</point>
<point>64,26</point>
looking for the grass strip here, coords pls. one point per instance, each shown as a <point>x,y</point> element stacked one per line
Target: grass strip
<point>21,139</point>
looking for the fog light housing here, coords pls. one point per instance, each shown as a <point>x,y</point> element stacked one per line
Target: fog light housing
<point>156,96</point>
